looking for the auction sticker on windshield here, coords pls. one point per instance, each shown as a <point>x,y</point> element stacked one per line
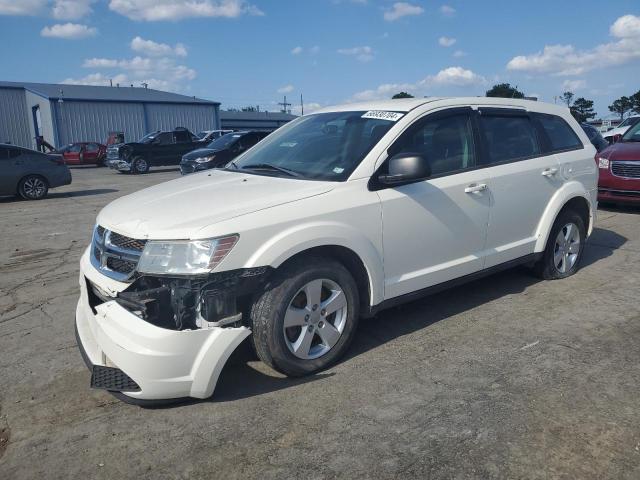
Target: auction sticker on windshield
<point>383,115</point>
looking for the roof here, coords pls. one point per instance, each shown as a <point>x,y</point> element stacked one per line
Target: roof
<point>407,104</point>
<point>227,115</point>
<point>55,91</point>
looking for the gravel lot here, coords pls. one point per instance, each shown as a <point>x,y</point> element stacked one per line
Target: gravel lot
<point>506,377</point>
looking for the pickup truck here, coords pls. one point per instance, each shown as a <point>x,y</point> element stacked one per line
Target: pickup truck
<point>154,149</point>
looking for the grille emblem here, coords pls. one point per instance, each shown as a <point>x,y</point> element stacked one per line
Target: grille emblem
<point>112,254</point>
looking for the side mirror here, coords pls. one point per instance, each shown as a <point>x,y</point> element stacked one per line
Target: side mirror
<point>406,168</point>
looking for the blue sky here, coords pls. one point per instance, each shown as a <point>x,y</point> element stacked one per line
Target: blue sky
<point>332,51</point>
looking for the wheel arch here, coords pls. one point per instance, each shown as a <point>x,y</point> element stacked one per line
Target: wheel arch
<point>571,196</point>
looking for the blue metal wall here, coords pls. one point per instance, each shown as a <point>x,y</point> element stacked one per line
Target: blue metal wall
<point>14,118</point>
<point>167,116</point>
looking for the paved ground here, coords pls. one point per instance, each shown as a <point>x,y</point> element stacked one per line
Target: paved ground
<point>507,377</point>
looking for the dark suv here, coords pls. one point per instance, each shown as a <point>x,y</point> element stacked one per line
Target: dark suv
<point>154,149</point>
<point>220,152</point>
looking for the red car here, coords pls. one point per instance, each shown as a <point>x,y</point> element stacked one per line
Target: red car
<point>84,153</point>
<point>619,166</point>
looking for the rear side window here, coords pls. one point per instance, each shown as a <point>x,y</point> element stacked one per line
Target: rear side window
<point>509,137</point>
<point>561,136</point>
<point>92,147</point>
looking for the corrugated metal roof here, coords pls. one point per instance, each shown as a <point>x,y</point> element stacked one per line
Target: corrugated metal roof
<point>55,91</point>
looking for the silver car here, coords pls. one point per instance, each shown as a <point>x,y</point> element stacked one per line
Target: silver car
<point>30,174</point>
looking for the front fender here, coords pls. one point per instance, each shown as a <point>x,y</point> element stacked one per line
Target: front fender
<point>284,245</point>
<point>568,191</point>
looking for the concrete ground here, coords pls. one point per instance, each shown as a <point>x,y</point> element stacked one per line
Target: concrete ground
<point>506,377</point>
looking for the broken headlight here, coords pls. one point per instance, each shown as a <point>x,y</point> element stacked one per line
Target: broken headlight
<point>184,257</point>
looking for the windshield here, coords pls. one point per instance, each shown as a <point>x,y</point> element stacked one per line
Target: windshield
<point>148,138</point>
<point>633,134</point>
<point>224,141</point>
<point>627,122</point>
<point>324,146</point>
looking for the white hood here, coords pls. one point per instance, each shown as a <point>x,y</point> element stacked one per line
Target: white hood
<point>615,131</point>
<point>180,208</point>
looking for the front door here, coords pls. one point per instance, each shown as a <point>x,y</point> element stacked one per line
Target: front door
<point>435,230</point>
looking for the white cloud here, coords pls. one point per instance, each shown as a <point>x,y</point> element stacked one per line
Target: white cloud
<point>68,31</point>
<point>21,7</point>
<point>159,10</point>
<point>459,54</point>
<point>309,107</point>
<point>449,77</point>
<point>447,10</point>
<point>573,85</point>
<point>71,9</point>
<point>286,89</point>
<point>362,54</point>
<point>100,63</point>
<point>402,9</point>
<point>155,49</point>
<point>567,60</point>
<point>296,51</point>
<point>98,79</point>
<point>446,41</point>
<point>311,50</point>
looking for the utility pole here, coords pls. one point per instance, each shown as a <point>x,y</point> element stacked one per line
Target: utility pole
<point>301,105</point>
<point>285,105</point>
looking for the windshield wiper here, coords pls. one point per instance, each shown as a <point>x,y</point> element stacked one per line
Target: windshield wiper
<point>269,166</point>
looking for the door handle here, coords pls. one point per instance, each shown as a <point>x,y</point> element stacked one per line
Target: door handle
<point>549,172</point>
<point>475,187</point>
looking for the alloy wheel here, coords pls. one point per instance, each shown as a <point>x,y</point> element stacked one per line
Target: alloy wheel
<point>34,187</point>
<point>566,248</point>
<point>315,319</point>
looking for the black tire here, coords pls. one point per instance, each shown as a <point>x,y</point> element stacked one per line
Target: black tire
<point>268,311</point>
<point>546,267</point>
<point>33,187</point>
<point>139,165</point>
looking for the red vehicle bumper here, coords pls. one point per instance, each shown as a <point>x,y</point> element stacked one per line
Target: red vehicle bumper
<point>618,189</point>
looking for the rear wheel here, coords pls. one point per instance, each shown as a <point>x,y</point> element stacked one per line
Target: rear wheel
<point>565,245</point>
<point>33,187</point>
<point>139,165</point>
<point>307,318</point>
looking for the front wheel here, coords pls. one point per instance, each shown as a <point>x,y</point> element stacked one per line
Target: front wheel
<point>565,245</point>
<point>307,317</point>
<point>33,187</point>
<point>139,165</point>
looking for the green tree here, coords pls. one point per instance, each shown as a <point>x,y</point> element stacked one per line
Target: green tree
<point>567,97</point>
<point>402,95</point>
<point>504,90</point>
<point>582,109</point>
<point>635,101</point>
<point>621,106</point>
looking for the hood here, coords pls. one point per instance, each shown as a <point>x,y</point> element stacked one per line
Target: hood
<point>615,131</point>
<point>622,151</point>
<point>180,208</point>
<point>201,152</point>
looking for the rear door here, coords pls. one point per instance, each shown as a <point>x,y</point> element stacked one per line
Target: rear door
<point>72,155</point>
<point>91,153</point>
<point>522,181</point>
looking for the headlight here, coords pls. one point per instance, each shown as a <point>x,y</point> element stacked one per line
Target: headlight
<point>204,159</point>
<point>603,162</point>
<point>183,257</point>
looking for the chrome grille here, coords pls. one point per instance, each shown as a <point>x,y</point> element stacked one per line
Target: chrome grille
<point>113,153</point>
<point>115,255</point>
<point>629,169</point>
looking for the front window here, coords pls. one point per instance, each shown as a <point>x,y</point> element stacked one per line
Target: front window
<point>633,134</point>
<point>324,146</point>
<point>224,141</point>
<point>629,121</point>
<point>148,138</point>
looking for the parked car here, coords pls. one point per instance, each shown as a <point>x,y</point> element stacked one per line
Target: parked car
<point>207,136</point>
<point>619,166</point>
<point>154,149</point>
<point>616,134</point>
<point>338,214</point>
<point>84,153</point>
<point>595,137</point>
<point>30,174</point>
<point>220,152</point>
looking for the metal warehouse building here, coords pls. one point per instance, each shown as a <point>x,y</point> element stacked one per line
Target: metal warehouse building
<point>64,114</point>
<point>266,121</point>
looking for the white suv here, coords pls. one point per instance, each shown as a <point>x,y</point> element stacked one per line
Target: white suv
<point>333,217</point>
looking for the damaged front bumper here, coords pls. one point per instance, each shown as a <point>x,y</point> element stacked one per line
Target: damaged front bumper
<point>140,360</point>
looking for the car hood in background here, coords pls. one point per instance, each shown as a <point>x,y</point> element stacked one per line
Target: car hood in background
<point>622,151</point>
<point>201,152</point>
<point>180,208</point>
<point>615,131</point>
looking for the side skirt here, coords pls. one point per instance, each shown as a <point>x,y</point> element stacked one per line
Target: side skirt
<point>410,297</point>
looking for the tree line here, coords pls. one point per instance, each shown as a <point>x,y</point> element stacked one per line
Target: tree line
<point>581,108</point>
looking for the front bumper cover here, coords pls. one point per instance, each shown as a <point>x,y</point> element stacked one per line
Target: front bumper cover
<point>166,364</point>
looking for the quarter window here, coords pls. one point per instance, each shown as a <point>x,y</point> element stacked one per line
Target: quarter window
<point>561,136</point>
<point>445,142</point>
<point>509,137</point>
<point>92,147</point>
